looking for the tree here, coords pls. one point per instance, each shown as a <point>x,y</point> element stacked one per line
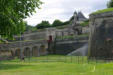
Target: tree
<point>12,13</point>
<point>30,28</point>
<point>110,4</point>
<point>72,18</point>
<point>57,23</point>
<point>66,23</point>
<point>43,24</point>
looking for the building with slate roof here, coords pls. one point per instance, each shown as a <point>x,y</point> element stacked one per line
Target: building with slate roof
<point>81,17</point>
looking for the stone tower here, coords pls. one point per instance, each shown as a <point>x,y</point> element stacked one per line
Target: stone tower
<point>75,26</point>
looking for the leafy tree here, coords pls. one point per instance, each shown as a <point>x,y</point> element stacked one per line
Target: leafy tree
<point>43,24</point>
<point>57,23</point>
<point>72,18</point>
<point>110,4</point>
<point>12,13</point>
<point>30,28</point>
<point>66,23</point>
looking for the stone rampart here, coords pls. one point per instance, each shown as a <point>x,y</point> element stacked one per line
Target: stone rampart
<point>101,35</point>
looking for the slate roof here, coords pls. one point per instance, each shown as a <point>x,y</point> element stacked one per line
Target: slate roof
<point>81,17</point>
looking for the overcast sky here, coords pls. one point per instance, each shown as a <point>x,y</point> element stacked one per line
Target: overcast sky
<point>64,9</point>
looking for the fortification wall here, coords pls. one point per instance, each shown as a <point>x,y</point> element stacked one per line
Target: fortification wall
<point>44,35</point>
<point>101,35</point>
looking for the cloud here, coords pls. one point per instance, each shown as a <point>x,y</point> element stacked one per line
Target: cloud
<point>63,9</point>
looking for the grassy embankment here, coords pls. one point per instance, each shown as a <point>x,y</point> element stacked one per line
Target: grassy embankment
<point>103,11</point>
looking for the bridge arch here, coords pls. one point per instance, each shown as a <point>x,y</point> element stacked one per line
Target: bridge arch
<point>18,52</point>
<point>35,51</point>
<point>12,53</point>
<point>27,52</point>
<point>43,50</point>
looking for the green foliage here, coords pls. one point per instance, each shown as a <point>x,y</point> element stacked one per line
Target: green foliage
<point>66,37</point>
<point>12,13</point>
<point>66,23</point>
<point>30,28</point>
<point>85,23</point>
<point>57,23</point>
<point>102,11</point>
<point>72,18</point>
<point>72,36</point>
<point>110,4</point>
<point>43,24</point>
<point>62,27</point>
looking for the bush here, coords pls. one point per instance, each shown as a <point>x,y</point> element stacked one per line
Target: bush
<point>85,23</point>
<point>43,24</point>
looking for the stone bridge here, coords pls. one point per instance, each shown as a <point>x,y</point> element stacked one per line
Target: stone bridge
<point>24,48</point>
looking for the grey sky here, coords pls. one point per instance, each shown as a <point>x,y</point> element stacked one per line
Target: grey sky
<point>63,9</point>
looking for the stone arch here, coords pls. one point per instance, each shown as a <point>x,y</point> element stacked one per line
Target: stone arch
<point>77,31</point>
<point>17,53</point>
<point>27,52</point>
<point>35,51</point>
<point>43,50</point>
<point>12,53</point>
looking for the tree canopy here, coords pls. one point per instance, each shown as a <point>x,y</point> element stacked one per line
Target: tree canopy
<point>43,24</point>
<point>12,13</point>
<point>46,24</point>
<point>29,27</point>
<point>57,23</point>
<point>110,4</point>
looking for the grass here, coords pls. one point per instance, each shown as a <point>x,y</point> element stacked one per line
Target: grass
<point>102,11</point>
<point>61,27</point>
<point>16,67</point>
<point>85,23</point>
<point>73,37</point>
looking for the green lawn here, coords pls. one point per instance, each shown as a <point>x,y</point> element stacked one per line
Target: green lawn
<point>68,66</point>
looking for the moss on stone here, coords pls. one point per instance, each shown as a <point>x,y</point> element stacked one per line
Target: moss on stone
<point>102,11</point>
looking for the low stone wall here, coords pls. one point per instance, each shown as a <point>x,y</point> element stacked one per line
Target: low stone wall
<point>6,55</point>
<point>67,46</point>
<point>101,36</point>
<point>8,46</point>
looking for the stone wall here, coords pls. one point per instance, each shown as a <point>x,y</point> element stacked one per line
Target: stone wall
<point>5,55</point>
<point>44,35</point>
<point>23,49</point>
<point>101,35</point>
<point>66,46</point>
<point>35,36</point>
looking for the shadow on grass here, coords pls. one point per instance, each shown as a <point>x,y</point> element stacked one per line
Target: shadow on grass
<point>11,66</point>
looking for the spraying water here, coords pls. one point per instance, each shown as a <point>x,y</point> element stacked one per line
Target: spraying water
<point>83,51</point>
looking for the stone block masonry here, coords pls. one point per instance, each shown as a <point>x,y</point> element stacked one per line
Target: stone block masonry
<point>101,35</point>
